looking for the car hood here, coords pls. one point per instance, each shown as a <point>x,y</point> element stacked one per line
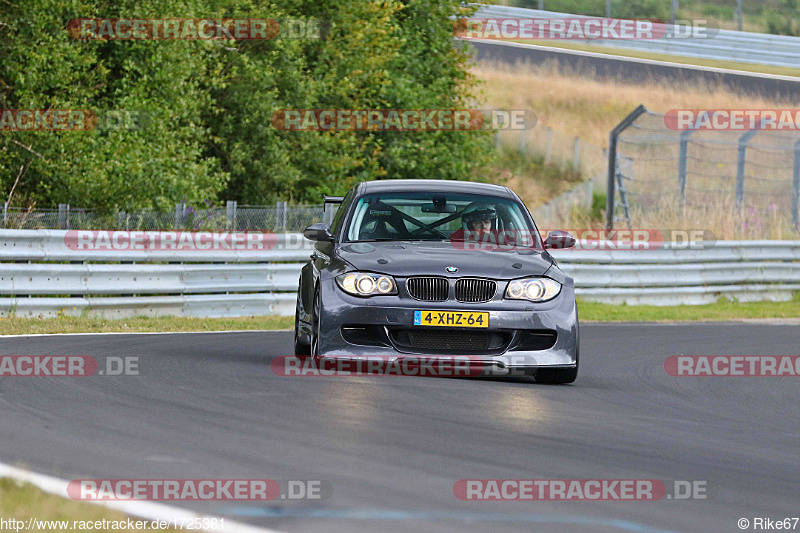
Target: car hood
<point>433,258</point>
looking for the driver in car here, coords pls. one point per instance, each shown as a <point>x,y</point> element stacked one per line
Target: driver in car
<point>478,224</point>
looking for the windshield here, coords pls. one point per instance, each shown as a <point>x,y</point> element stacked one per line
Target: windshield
<point>436,216</point>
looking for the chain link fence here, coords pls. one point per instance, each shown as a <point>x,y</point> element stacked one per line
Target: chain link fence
<point>735,183</point>
<point>279,218</point>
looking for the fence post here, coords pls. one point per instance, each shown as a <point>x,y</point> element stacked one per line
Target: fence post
<point>280,217</point>
<point>576,154</point>
<point>5,214</point>
<point>683,163</point>
<point>63,216</point>
<point>180,207</point>
<point>522,144</point>
<point>740,166</point>
<point>796,186</point>
<point>230,214</point>
<point>122,219</point>
<point>608,9</point>
<point>549,148</point>
<point>611,189</point>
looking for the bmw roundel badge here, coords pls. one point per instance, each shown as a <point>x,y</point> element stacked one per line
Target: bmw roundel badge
<point>452,269</point>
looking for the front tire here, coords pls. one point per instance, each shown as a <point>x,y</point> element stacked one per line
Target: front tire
<point>300,348</point>
<point>315,324</point>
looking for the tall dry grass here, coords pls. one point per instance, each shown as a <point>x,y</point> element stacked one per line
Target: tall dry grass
<point>577,106</point>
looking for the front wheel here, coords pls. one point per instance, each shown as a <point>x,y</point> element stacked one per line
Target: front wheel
<point>300,348</point>
<point>315,324</point>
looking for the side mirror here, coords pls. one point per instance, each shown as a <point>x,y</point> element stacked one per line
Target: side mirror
<point>558,240</point>
<point>319,232</point>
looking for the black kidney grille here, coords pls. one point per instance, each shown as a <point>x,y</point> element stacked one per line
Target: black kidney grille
<point>428,289</point>
<point>475,290</point>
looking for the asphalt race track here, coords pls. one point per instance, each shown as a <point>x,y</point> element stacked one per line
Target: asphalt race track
<point>208,406</point>
<point>631,70</point>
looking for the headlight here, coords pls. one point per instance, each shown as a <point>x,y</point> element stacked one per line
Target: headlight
<point>365,284</point>
<point>533,289</point>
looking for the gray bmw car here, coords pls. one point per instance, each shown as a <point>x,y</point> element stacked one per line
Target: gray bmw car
<point>438,268</point>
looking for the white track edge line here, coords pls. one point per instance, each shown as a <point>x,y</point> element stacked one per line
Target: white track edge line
<point>147,510</point>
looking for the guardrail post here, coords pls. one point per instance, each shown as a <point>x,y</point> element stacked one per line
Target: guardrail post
<point>611,189</point>
<point>796,186</point>
<point>740,166</point>
<point>683,163</point>
<point>63,216</point>
<point>180,207</point>
<point>230,214</point>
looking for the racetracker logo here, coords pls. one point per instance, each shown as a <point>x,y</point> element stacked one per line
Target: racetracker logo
<point>70,120</point>
<point>733,365</point>
<point>578,490</point>
<point>194,29</point>
<point>71,366</point>
<point>585,239</point>
<point>204,241</point>
<point>581,29</point>
<point>378,365</point>
<point>556,29</point>
<point>197,489</point>
<point>403,119</point>
<point>733,119</point>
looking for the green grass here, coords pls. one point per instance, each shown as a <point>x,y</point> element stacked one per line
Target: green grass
<point>24,501</point>
<point>23,326</point>
<point>722,310</point>
<point>589,312</point>
<point>733,65</point>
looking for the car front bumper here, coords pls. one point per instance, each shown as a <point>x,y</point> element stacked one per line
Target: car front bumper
<point>528,335</point>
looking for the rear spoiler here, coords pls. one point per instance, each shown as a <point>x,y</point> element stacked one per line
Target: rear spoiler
<point>331,200</point>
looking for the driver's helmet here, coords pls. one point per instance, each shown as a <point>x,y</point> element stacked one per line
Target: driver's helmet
<point>478,211</point>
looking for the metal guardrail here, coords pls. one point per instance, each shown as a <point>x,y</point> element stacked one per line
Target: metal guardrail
<point>41,276</point>
<point>726,45</point>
